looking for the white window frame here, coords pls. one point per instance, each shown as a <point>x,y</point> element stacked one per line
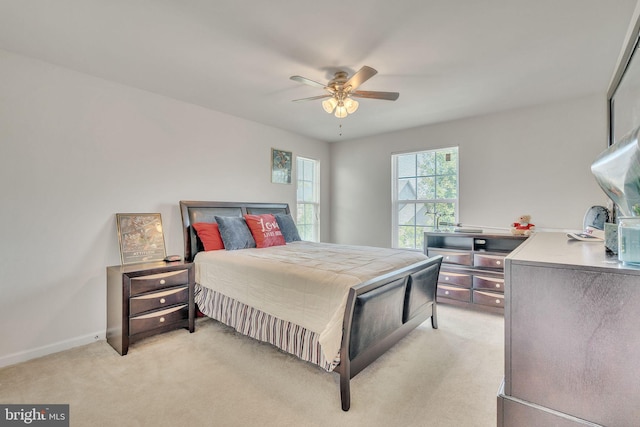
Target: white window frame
<point>394,194</point>
<point>314,234</point>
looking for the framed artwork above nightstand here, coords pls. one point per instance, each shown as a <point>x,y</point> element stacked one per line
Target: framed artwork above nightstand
<point>141,237</point>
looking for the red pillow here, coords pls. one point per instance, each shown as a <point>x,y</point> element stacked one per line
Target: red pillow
<point>209,234</point>
<point>265,230</point>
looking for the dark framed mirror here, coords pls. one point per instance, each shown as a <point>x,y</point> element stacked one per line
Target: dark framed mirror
<point>624,91</point>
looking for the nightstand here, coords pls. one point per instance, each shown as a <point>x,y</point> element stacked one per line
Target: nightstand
<point>148,299</point>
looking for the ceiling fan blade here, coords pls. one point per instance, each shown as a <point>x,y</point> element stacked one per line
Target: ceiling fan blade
<point>313,98</point>
<point>364,74</point>
<point>307,81</point>
<point>389,96</point>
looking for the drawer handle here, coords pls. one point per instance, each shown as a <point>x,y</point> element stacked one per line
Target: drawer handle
<point>497,301</point>
<point>498,285</point>
<point>162,320</point>
<point>162,281</point>
<point>498,262</point>
<point>447,257</point>
<point>162,300</point>
<point>446,292</point>
<point>446,277</point>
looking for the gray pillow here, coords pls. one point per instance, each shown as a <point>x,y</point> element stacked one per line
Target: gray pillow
<point>235,233</point>
<point>287,227</point>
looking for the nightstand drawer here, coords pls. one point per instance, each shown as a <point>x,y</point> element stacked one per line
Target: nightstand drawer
<point>454,292</point>
<point>142,284</point>
<point>158,319</point>
<point>493,261</point>
<point>488,298</point>
<point>451,257</point>
<point>458,279</point>
<point>490,283</point>
<point>156,300</point>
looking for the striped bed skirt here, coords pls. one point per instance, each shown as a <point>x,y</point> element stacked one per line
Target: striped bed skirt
<point>287,336</point>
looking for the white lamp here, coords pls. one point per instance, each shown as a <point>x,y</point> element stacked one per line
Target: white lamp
<point>351,105</point>
<point>329,104</point>
<point>341,110</point>
<point>342,105</point>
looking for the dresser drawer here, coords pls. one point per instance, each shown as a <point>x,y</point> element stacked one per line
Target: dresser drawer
<point>453,292</point>
<point>488,298</point>
<point>156,319</point>
<point>485,260</point>
<point>491,283</point>
<point>157,300</point>
<point>458,279</point>
<point>143,284</point>
<point>452,257</point>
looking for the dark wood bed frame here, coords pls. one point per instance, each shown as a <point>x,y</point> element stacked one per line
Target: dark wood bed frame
<point>379,312</point>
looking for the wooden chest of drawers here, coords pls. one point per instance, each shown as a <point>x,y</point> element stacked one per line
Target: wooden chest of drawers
<point>571,336</point>
<point>472,271</point>
<point>148,299</point>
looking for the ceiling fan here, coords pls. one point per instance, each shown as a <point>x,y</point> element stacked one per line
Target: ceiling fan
<point>341,89</point>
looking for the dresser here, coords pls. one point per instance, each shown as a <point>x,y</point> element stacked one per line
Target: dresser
<point>472,272</point>
<point>572,336</point>
<point>148,299</point>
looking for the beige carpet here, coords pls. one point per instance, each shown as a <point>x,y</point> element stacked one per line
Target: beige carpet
<point>444,377</point>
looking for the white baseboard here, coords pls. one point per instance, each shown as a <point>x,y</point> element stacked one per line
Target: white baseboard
<point>23,356</point>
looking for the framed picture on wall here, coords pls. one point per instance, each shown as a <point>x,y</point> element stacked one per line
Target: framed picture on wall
<point>281,166</point>
<point>141,237</point>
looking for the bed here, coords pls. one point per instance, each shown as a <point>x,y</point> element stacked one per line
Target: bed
<point>337,306</point>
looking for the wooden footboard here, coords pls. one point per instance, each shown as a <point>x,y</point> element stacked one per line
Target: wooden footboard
<point>382,311</point>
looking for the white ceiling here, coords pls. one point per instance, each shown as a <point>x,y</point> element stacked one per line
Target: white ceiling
<point>448,58</point>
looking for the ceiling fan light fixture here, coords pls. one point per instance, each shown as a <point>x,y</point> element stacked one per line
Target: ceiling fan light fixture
<point>351,105</point>
<point>329,104</point>
<point>340,89</point>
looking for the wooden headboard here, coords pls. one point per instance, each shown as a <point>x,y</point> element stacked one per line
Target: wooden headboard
<point>203,211</point>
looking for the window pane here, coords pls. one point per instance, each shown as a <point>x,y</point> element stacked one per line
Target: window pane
<point>425,215</point>
<point>310,213</point>
<point>300,215</point>
<point>447,162</point>
<point>407,214</point>
<point>406,237</point>
<point>307,191</point>
<point>304,231</point>
<point>447,187</point>
<point>427,188</point>
<point>420,236</point>
<point>446,211</point>
<point>307,214</point>
<point>426,163</point>
<point>308,171</point>
<point>407,165</point>
<point>407,189</point>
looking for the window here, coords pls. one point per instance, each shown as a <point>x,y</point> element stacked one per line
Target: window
<point>425,194</point>
<point>308,199</point>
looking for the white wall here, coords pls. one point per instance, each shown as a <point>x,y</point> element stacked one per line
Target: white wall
<point>529,161</point>
<point>75,150</point>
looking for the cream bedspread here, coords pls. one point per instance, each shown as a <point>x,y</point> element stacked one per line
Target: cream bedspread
<point>305,283</point>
